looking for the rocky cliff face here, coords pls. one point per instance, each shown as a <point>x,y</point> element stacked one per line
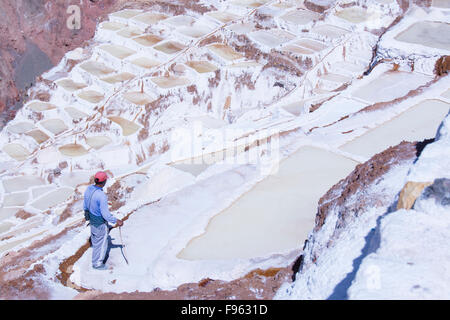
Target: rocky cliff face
<point>34,36</point>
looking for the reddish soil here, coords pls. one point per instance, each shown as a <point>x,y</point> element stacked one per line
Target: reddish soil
<point>22,214</point>
<point>317,7</point>
<point>362,176</point>
<point>256,285</point>
<point>442,66</point>
<point>16,281</point>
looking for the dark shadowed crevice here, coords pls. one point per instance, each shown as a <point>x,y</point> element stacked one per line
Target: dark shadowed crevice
<point>421,145</point>
<point>296,267</point>
<point>372,243</point>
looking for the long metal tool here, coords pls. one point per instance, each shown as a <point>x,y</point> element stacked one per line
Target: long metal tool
<point>122,248</point>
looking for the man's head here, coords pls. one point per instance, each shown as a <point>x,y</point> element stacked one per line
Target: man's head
<point>100,179</point>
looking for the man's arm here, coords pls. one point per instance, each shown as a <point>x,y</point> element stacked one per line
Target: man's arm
<point>105,210</point>
<point>85,200</point>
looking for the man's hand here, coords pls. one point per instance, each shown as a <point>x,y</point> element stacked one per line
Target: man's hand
<point>119,223</point>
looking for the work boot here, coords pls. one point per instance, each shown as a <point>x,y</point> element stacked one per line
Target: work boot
<point>100,267</point>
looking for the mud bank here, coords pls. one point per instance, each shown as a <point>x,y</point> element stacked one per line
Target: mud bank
<point>256,285</point>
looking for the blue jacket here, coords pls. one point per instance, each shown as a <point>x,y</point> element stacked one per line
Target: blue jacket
<point>97,206</point>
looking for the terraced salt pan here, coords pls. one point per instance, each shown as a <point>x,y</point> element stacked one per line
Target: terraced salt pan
<point>180,21</point>
<point>70,85</point>
<point>391,84</point>
<point>120,52</point>
<point>305,47</point>
<point>75,113</point>
<point>353,14</point>
<point>120,77</point>
<point>29,225</point>
<point>145,62</point>
<point>139,98</point>
<point>21,183</point>
<point>243,65</point>
<point>55,126</point>
<point>347,68</point>
<point>16,151</point>
<point>297,50</point>
<point>440,3</point>
<point>38,136</point>
<point>277,214</point>
<point>73,150</point>
<point>196,31</point>
<point>6,213</point>
<point>416,124</point>
<point>96,68</point>
<point>310,44</point>
<point>249,3</point>
<point>202,66</point>
<point>39,191</point>
<point>11,244</point>
<point>148,40</point>
<point>427,33</point>
<point>194,169</point>
<point>40,106</point>
<point>242,28</point>
<point>128,127</point>
<point>225,51</point>
<point>130,32</point>
<point>4,227</point>
<point>20,127</point>
<point>98,142</point>
<point>223,16</point>
<point>170,47</point>
<point>332,81</point>
<point>91,96</point>
<point>52,199</point>
<point>271,38</point>
<point>329,31</point>
<point>296,108</point>
<point>112,25</point>
<point>282,5</point>
<point>300,17</point>
<point>170,82</point>
<point>126,14</point>
<point>15,199</point>
<point>150,18</point>
<point>75,178</point>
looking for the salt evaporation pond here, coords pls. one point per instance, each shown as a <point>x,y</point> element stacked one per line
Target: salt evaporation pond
<point>392,84</point>
<point>145,62</point>
<point>427,33</point>
<point>170,47</point>
<point>202,66</point>
<point>277,214</point>
<point>148,40</point>
<point>128,127</point>
<point>416,124</point>
<point>16,151</point>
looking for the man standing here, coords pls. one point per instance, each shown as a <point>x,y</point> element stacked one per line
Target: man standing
<point>96,209</point>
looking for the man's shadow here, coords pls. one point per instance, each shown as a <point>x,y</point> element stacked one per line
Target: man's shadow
<point>113,246</point>
<point>110,246</point>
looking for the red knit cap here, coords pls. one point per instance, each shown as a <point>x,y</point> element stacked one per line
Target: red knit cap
<point>100,177</point>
